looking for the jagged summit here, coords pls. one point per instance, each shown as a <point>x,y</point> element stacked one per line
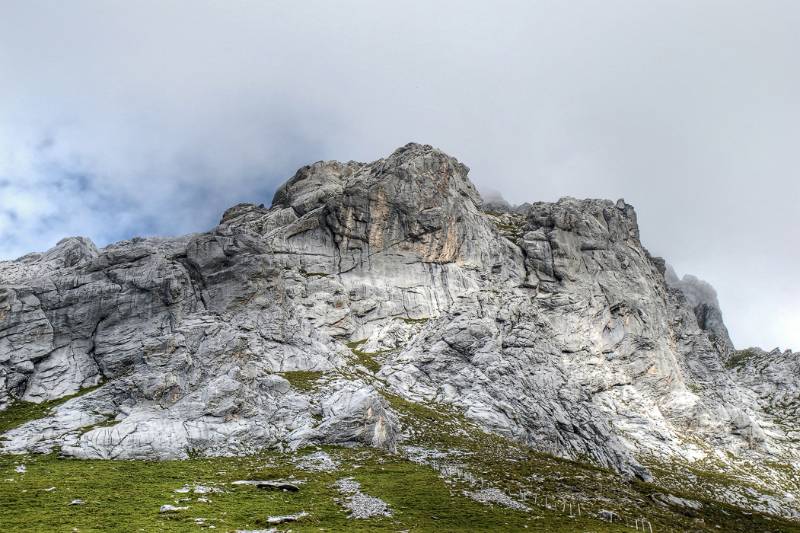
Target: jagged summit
<point>425,169</point>
<point>548,324</point>
<point>702,298</point>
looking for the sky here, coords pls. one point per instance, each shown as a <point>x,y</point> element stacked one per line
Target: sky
<point>122,119</point>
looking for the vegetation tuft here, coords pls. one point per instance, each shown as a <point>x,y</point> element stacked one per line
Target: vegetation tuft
<point>20,412</point>
<point>303,380</point>
<point>366,359</point>
<point>414,320</point>
<point>314,274</point>
<point>739,358</point>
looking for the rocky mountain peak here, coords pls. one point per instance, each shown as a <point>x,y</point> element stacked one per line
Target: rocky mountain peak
<point>548,324</point>
<point>702,298</point>
<point>415,172</point>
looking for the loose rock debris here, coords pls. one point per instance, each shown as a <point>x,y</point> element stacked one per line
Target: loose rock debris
<point>496,496</point>
<point>359,504</point>
<point>317,462</point>
<point>275,520</point>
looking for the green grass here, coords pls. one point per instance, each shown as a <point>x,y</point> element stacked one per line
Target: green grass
<point>739,358</point>
<point>20,412</point>
<point>126,496</point>
<point>355,344</point>
<point>108,422</point>
<point>366,359</point>
<point>303,380</point>
<point>414,320</point>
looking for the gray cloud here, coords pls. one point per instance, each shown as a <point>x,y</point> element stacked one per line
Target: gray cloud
<point>119,119</point>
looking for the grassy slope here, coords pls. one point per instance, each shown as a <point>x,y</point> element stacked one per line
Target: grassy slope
<point>513,468</point>
<point>126,495</point>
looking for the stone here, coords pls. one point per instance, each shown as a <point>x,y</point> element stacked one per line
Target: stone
<point>496,496</point>
<point>348,485</point>
<point>269,484</point>
<point>317,462</point>
<point>171,509</point>
<point>361,505</point>
<point>275,520</point>
<point>675,501</point>
<point>608,516</point>
<point>202,489</point>
<point>702,298</point>
<point>277,485</point>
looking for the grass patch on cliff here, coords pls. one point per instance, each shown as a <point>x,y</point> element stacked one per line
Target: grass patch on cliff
<point>107,423</point>
<point>365,359</point>
<point>20,412</point>
<point>407,320</point>
<point>739,358</point>
<point>303,380</point>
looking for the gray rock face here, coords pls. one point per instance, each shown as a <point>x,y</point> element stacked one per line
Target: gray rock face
<point>772,381</point>
<point>702,298</point>
<point>548,323</point>
<point>670,500</point>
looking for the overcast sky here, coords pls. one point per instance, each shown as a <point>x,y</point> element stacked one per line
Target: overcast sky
<point>150,118</point>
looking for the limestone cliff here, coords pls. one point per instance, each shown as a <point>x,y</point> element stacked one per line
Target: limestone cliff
<point>548,323</point>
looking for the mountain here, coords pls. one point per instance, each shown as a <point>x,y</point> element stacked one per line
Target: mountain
<point>367,287</point>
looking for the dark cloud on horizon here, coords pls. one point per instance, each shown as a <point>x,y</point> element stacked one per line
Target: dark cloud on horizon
<point>119,119</point>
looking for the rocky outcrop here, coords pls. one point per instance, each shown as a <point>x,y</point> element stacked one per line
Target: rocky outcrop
<point>772,381</point>
<point>548,323</point>
<point>702,298</point>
